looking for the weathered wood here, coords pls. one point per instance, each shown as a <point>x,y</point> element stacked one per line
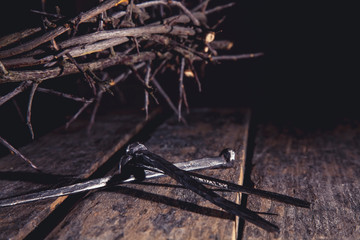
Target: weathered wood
<point>320,166</point>
<point>160,209</point>
<point>61,153</point>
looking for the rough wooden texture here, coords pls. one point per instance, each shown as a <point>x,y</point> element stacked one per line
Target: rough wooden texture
<point>61,153</point>
<point>161,209</point>
<point>321,166</point>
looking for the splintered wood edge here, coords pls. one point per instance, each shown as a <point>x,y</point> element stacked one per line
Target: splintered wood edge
<point>31,225</point>
<point>242,157</point>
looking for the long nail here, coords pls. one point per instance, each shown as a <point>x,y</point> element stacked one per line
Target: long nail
<point>198,164</point>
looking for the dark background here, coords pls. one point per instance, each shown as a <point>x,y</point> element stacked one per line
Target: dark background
<point>307,76</point>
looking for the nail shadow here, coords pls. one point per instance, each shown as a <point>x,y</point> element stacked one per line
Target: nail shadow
<point>36,177</point>
<point>183,205</point>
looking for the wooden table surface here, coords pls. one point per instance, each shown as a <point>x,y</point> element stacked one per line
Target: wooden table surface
<point>60,153</point>
<point>320,165</point>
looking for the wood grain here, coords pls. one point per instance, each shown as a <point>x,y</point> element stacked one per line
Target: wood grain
<point>161,209</point>
<point>61,153</point>
<point>320,165</point>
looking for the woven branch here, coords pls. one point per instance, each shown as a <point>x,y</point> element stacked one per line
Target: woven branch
<point>145,36</point>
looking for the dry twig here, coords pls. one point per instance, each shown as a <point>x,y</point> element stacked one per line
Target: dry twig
<point>28,116</point>
<point>15,151</point>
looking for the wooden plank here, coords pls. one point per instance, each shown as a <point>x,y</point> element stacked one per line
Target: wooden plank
<point>60,153</point>
<point>321,166</point>
<point>162,209</point>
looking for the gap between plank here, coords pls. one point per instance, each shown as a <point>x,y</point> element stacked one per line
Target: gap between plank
<point>245,174</point>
